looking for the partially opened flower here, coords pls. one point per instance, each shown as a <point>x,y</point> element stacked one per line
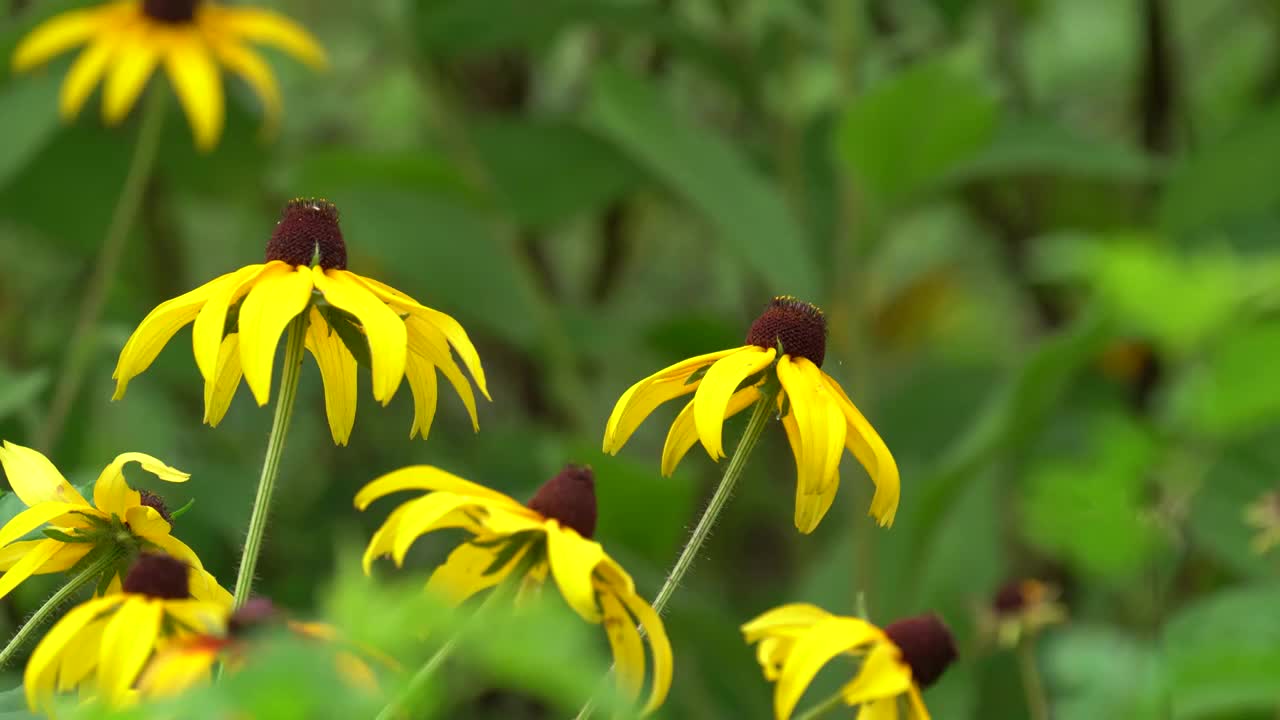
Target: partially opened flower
<point>893,664</point>
<point>1021,608</point>
<point>240,317</point>
<point>127,40</point>
<point>787,342</point>
<point>119,523</point>
<point>520,544</point>
<point>102,645</point>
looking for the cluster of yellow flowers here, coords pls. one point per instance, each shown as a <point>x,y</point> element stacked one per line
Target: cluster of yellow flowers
<point>159,621</point>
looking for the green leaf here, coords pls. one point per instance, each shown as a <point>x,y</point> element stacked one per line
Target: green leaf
<point>29,116</point>
<point>13,705</point>
<point>906,134</point>
<point>460,27</point>
<point>707,171</point>
<point>1235,391</point>
<point>1098,672</point>
<point>1046,148</point>
<point>19,392</point>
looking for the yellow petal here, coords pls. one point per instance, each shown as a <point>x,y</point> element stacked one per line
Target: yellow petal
<point>865,444</point>
<point>625,643</point>
<point>463,573</point>
<point>915,705</point>
<point>422,383</point>
<point>35,516</point>
<point>34,479</point>
<point>270,28</point>
<point>711,401</point>
<point>684,432</point>
<point>384,537</point>
<point>220,390</point>
<point>85,73</point>
<point>27,566</point>
<point>427,343</point>
<point>207,332</point>
<point>278,297</point>
<point>131,67</point>
<point>428,513</point>
<point>812,507</point>
<point>74,667</point>
<point>644,397</point>
<point>426,477</point>
<point>784,619</point>
<point>338,373</point>
<point>658,643</point>
<point>113,496</point>
<point>205,588</point>
<point>198,85</point>
<point>388,339</point>
<point>146,522</point>
<point>55,36</point>
<point>886,709</point>
<point>882,675</point>
<point>818,452</point>
<point>833,423</point>
<point>205,618</point>
<point>127,642</point>
<point>573,562</point>
<point>13,552</point>
<point>157,328</point>
<point>250,66</point>
<point>180,667</point>
<point>41,672</point>
<point>814,649</point>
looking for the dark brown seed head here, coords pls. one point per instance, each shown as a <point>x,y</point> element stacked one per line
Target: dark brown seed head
<point>569,497</point>
<point>158,576</point>
<point>926,644</point>
<point>798,326</point>
<point>255,612</point>
<point>170,11</point>
<point>153,501</point>
<point>1016,596</point>
<point>308,228</point>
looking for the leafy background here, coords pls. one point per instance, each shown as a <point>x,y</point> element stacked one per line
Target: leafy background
<point>1042,231</point>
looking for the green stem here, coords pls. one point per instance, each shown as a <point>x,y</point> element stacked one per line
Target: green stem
<point>763,410</point>
<point>835,702</point>
<point>33,623</point>
<point>83,337</point>
<point>271,464</point>
<point>1037,701</point>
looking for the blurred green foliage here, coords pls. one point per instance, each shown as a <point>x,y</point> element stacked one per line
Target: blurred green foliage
<point>1043,232</point>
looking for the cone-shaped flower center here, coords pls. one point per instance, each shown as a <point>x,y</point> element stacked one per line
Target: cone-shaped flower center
<point>799,327</point>
<point>308,229</point>
<point>255,612</point>
<point>569,497</point>
<point>170,11</point>
<point>926,645</point>
<point>159,576</point>
<point>1014,597</point>
<point>153,501</point>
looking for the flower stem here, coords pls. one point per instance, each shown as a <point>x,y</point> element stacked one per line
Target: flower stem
<point>271,464</point>
<point>760,414</point>
<point>84,336</point>
<point>50,606</point>
<point>834,702</point>
<point>1037,701</point>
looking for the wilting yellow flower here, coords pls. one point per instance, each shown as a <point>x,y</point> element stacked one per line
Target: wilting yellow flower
<point>788,341</point>
<point>239,318</point>
<point>1263,515</point>
<point>1023,607</point>
<point>103,644</point>
<point>126,41</point>
<point>796,641</point>
<point>119,520</point>
<point>551,533</point>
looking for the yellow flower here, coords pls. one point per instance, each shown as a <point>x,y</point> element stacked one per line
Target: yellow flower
<point>1023,607</point>
<point>239,318</point>
<point>797,640</point>
<point>788,341</point>
<point>120,519</point>
<point>126,41</point>
<point>552,533</point>
<point>103,644</point>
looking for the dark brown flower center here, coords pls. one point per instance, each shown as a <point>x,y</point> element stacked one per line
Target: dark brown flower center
<point>926,644</point>
<point>569,497</point>
<point>799,327</point>
<point>257,611</point>
<point>153,501</point>
<point>170,11</point>
<point>308,230</point>
<point>158,576</point>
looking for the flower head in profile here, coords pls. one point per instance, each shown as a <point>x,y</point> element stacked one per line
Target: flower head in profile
<point>1263,515</point>
<point>126,41</point>
<point>893,664</point>
<point>119,522</point>
<point>520,544</point>
<point>102,645</point>
<point>787,342</point>
<point>350,319</point>
<point>1021,608</point>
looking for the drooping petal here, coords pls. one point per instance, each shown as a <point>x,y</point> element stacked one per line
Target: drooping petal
<point>207,332</point>
<point>886,709</point>
<point>147,523</point>
<point>200,616</point>
<point>641,399</point>
<point>198,85</point>
<point>711,401</point>
<point>625,644</point>
<point>916,709</point>
<point>131,67</point>
<point>463,574</point>
<point>816,437</point>
<point>85,73</point>
<point>865,444</point>
<point>180,667</point>
<point>55,36</point>
<point>784,619</point>
<point>74,667</point>
<point>221,389</point>
<point>158,327</point>
<point>34,479</point>
<point>113,496</point>
<point>426,477</point>
<point>428,513</point>
<point>337,373</point>
<point>275,300</point>
<point>812,507</point>
<point>35,516</point>
<point>833,424</point>
<point>388,339</point>
<point>684,432</point>
<point>28,565</point>
<point>422,383</point>
<point>41,674</point>
<point>270,28</point>
<point>384,537</point>
<point>663,662</point>
<point>250,66</point>
<point>573,561</point>
<point>427,343</point>
<point>812,651</point>
<point>882,675</point>
<point>127,642</point>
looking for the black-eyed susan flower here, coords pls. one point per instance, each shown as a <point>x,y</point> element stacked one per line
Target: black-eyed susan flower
<point>893,664</point>
<point>787,342</point>
<point>126,41</point>
<point>1263,515</point>
<point>240,317</point>
<point>102,645</point>
<point>119,522</point>
<point>552,533</point>
<point>1023,607</point>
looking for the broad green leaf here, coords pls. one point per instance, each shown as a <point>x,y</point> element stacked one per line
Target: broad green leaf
<point>1238,478</point>
<point>708,172</point>
<point>1235,391</point>
<point>29,116</point>
<point>906,134</point>
<point>1093,671</point>
<point>19,391</point>
<point>1043,148</point>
